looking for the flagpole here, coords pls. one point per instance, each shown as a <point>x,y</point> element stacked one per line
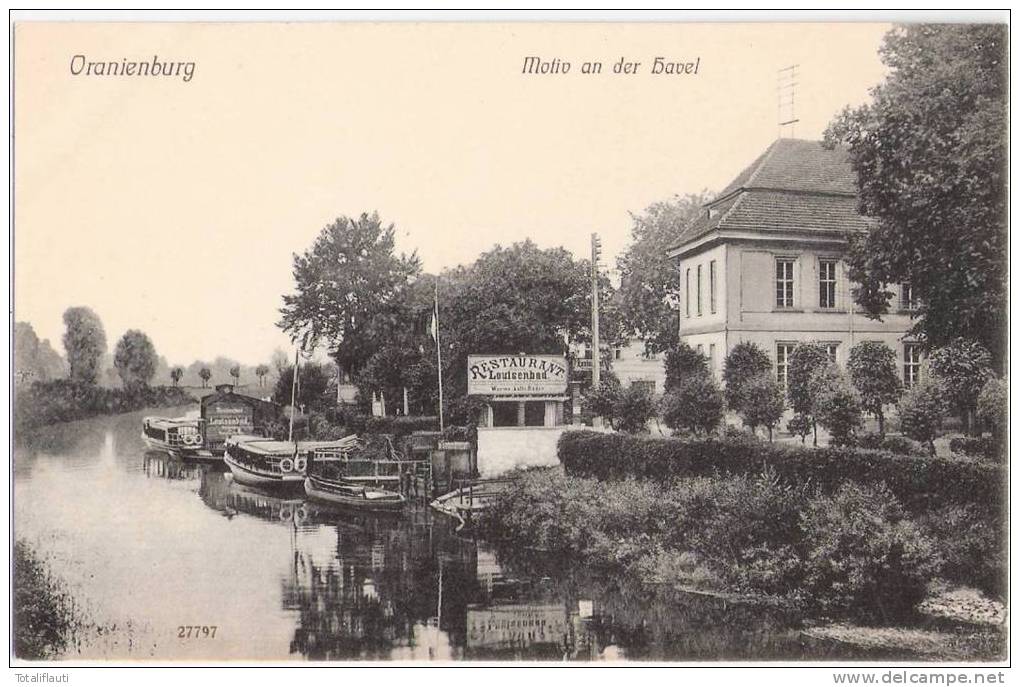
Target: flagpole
<point>293,394</point>
<point>439,357</point>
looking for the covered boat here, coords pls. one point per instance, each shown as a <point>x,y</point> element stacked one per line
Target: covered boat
<point>259,462</point>
<point>179,436</point>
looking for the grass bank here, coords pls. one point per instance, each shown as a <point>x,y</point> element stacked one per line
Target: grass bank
<point>44,616</point>
<point>46,403</point>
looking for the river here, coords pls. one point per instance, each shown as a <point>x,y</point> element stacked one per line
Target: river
<point>150,545</point>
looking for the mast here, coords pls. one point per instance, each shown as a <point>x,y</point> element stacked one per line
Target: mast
<point>293,394</point>
<point>439,355</point>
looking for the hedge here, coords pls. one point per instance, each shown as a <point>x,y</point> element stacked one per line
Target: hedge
<point>988,448</point>
<point>917,481</point>
<point>62,400</point>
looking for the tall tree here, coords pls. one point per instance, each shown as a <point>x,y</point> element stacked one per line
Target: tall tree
<point>34,360</point>
<point>176,374</point>
<point>649,293</point>
<point>261,370</point>
<point>205,374</point>
<point>235,372</point>
<point>135,359</point>
<point>350,287</point>
<point>85,343</point>
<point>930,157</point>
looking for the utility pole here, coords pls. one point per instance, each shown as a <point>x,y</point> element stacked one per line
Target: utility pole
<point>596,354</point>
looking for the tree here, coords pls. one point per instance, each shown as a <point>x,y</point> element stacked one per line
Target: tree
<point>799,425</point>
<point>805,359</point>
<point>235,372</point>
<point>963,366</point>
<point>205,374</point>
<point>993,406</point>
<point>350,290</point>
<point>627,410</point>
<point>745,362</point>
<point>694,405</point>
<point>34,360</point>
<point>930,157</point>
<point>135,359</point>
<point>176,374</point>
<point>762,402</point>
<point>649,289</point>
<point>313,381</point>
<point>872,368</point>
<point>85,344</point>
<point>835,404</point>
<point>921,410</point>
<point>279,360</point>
<point>683,362</point>
<point>261,371</point>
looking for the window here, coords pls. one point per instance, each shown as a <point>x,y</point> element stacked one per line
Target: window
<point>784,282</point>
<point>907,297</point>
<point>699,290</point>
<point>617,353</point>
<point>700,348</point>
<point>832,349</point>
<point>687,292</point>
<point>783,351</point>
<point>911,364</point>
<point>826,283</point>
<point>645,385</point>
<point>711,286</point>
<point>711,357</point>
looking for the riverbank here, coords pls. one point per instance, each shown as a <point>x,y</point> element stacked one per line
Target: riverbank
<point>47,403</point>
<point>44,616</point>
<point>854,555</point>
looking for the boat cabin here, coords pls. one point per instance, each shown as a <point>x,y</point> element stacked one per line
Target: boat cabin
<point>226,413</point>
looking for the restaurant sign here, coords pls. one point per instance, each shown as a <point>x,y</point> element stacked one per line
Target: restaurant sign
<point>516,375</point>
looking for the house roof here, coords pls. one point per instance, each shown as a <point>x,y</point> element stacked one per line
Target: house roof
<point>795,185</point>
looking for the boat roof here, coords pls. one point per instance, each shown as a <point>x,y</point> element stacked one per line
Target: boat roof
<point>276,447</point>
<point>171,421</point>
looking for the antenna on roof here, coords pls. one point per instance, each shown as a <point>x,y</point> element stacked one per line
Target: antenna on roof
<point>786,91</point>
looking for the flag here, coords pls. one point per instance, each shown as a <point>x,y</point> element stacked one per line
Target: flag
<point>434,323</point>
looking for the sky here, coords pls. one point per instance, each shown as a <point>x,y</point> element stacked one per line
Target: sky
<point>175,207</point>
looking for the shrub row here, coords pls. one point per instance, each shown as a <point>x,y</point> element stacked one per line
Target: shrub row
<point>854,551</point>
<point>988,448</point>
<point>62,400</point>
<point>337,422</point>
<point>917,481</point>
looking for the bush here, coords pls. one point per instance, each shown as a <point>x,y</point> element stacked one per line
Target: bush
<point>962,367</point>
<point>683,362</point>
<point>893,444</point>
<point>835,405</point>
<point>627,410</point>
<point>694,405</point>
<point>745,362</point>
<point>917,481</point>
<point>762,402</point>
<point>861,553</point>
<point>972,542</point>
<point>872,368</point>
<point>992,406</point>
<point>987,448</point>
<point>43,611</point>
<point>921,411</point>
<point>799,426</point>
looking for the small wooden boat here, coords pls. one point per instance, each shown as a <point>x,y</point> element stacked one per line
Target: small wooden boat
<point>259,462</point>
<point>178,436</point>
<point>353,495</point>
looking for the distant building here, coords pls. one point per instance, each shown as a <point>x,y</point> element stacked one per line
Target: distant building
<point>631,364</point>
<point>763,262</point>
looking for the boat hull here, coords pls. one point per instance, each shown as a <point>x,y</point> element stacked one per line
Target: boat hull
<point>261,478</point>
<point>322,492</point>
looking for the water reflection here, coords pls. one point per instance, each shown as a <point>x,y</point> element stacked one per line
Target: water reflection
<point>285,577</point>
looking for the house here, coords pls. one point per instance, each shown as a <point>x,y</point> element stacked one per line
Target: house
<point>763,262</point>
<point>630,362</point>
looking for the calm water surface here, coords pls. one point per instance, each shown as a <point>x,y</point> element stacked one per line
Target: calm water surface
<point>147,543</point>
